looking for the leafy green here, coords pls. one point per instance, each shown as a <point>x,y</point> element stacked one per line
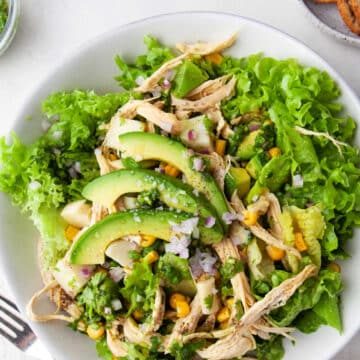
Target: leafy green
<point>3,14</point>
<point>173,269</point>
<point>231,267</point>
<point>103,350</point>
<point>144,65</point>
<point>270,349</point>
<point>97,296</point>
<point>140,288</point>
<point>185,351</point>
<point>41,176</point>
<point>323,290</point>
<point>209,300</point>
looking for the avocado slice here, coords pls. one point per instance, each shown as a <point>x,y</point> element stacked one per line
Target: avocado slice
<point>154,146</point>
<point>91,246</point>
<point>246,149</point>
<point>237,179</point>
<point>104,190</point>
<point>254,167</point>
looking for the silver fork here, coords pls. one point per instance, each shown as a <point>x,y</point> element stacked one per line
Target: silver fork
<point>12,327</point>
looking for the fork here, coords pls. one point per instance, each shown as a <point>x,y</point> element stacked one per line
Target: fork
<point>12,327</point>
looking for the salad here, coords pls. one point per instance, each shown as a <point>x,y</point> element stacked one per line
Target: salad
<point>199,212</point>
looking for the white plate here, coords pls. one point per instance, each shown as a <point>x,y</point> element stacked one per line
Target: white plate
<point>327,18</point>
<point>92,67</point>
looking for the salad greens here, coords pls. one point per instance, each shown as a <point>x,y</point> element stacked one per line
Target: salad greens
<point>278,142</point>
<point>4,10</point>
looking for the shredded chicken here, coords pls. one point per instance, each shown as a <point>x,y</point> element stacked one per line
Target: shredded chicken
<point>225,250</point>
<point>277,297</point>
<point>218,168</point>
<point>152,82</point>
<point>158,312</point>
<point>114,342</point>
<point>187,324</point>
<point>233,346</point>
<point>207,102</point>
<point>208,324</point>
<point>133,333</point>
<point>260,206</point>
<point>274,216</point>
<point>207,88</point>
<point>201,48</point>
<point>337,143</point>
<point>260,232</point>
<point>222,127</point>
<point>166,121</point>
<point>104,164</point>
<point>251,115</point>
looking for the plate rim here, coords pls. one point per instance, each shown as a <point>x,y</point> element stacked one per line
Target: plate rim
<point>89,43</point>
<point>326,28</point>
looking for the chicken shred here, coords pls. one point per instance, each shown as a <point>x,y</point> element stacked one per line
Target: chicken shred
<point>208,87</point>
<point>201,48</point>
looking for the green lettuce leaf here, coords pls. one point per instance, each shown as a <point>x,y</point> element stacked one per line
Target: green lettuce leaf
<point>270,349</point>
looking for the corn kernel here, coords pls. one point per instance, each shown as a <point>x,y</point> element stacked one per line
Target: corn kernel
<point>275,253</point>
<point>268,121</point>
<point>151,257</point>
<point>147,240</point>
<point>230,302</point>
<point>274,152</point>
<point>174,298</point>
<point>220,146</point>
<point>214,58</point>
<point>300,244</point>
<point>182,309</point>
<point>251,217</point>
<point>171,170</point>
<point>71,232</point>
<point>224,325</point>
<point>223,314</point>
<point>137,314</point>
<point>95,334</point>
<point>334,266</point>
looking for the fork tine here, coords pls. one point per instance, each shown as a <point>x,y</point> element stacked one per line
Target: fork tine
<point>24,337</point>
<point>8,302</point>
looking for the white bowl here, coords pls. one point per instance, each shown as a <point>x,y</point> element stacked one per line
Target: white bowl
<point>92,67</point>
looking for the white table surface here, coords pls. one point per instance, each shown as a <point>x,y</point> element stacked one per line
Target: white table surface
<point>50,30</point>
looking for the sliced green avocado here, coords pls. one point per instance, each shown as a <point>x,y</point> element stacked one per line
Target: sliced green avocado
<point>187,78</point>
<point>246,149</point>
<point>237,179</point>
<point>254,167</point>
<point>153,146</point>
<point>91,245</point>
<point>104,190</point>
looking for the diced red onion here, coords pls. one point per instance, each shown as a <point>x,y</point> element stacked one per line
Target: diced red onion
<point>160,170</point>
<point>166,84</point>
<point>191,135</point>
<point>85,271</point>
<point>309,203</point>
<point>297,181</point>
<point>34,185</point>
<point>254,127</point>
<point>139,80</point>
<point>198,164</point>
<point>107,310</point>
<point>202,262</point>
<point>229,217</point>
<point>178,246</point>
<point>117,273</point>
<point>116,304</point>
<point>169,75</point>
<point>210,221</point>
<point>186,226</point>
<point>204,151</point>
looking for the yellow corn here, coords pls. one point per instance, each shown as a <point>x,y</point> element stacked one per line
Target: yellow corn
<point>275,253</point>
<point>224,325</point>
<point>151,257</point>
<point>138,314</point>
<point>267,121</point>
<point>147,240</point>
<point>334,266</point>
<point>230,302</point>
<point>251,217</point>
<point>95,334</point>
<point>220,146</point>
<point>171,170</point>
<point>71,232</point>
<point>215,58</point>
<point>175,298</point>
<point>274,152</point>
<point>300,244</point>
<point>182,309</point>
<point>223,314</point>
